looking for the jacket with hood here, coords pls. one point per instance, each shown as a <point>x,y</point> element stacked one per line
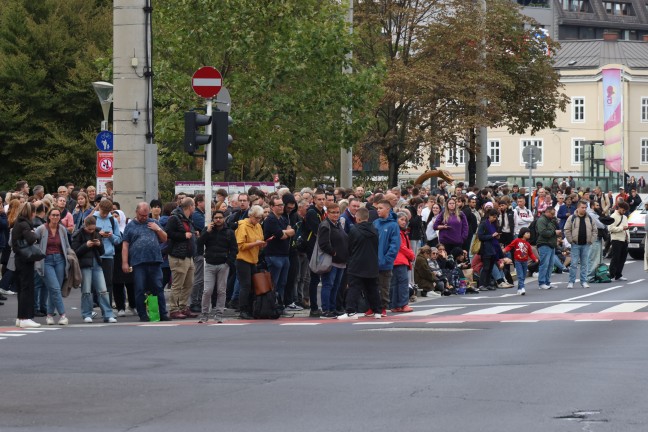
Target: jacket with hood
<point>87,255</point>
<point>219,245</point>
<point>405,254</point>
<point>310,227</point>
<point>363,251</point>
<point>176,228</point>
<point>294,220</point>
<point>388,241</point>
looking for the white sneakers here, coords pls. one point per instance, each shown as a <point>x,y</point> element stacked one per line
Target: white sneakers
<point>545,286</point>
<point>121,313</point>
<point>585,285</point>
<point>28,324</point>
<point>7,292</point>
<point>521,291</point>
<point>64,321</point>
<point>49,320</point>
<point>87,320</point>
<point>346,316</point>
<point>377,316</point>
<point>570,285</point>
<point>111,320</point>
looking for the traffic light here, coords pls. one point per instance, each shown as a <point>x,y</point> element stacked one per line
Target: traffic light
<point>193,139</point>
<point>222,140</point>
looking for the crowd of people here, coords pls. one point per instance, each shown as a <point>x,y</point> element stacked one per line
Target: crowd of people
<point>384,248</point>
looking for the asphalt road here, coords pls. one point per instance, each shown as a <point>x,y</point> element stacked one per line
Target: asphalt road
<point>455,364</point>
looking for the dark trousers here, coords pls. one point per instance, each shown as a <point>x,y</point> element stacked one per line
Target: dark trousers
<point>368,286</point>
<point>120,298</point>
<point>244,272</point>
<point>290,292</point>
<point>619,252</point>
<point>231,280</point>
<point>312,289</point>
<point>24,283</point>
<point>485,274</point>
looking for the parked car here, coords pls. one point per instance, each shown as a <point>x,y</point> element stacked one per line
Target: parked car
<point>637,229</point>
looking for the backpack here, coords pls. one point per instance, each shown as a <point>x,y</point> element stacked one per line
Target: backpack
<point>533,240</point>
<point>602,274</point>
<point>266,307</point>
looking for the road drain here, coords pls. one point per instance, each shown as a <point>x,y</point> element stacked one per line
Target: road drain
<point>583,416</point>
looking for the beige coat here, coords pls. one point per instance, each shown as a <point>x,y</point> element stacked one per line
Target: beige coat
<point>572,227</point>
<point>616,229</point>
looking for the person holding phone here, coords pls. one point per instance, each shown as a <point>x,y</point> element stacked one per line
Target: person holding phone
<point>88,245</point>
<point>111,236</point>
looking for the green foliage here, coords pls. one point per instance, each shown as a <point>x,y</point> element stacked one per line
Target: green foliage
<point>437,76</point>
<point>48,108</point>
<point>282,62</point>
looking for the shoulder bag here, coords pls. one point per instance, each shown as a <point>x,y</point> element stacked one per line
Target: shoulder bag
<point>27,252</point>
<point>320,261</point>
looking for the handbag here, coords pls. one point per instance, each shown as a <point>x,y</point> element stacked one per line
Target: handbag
<point>27,252</point>
<point>262,282</point>
<point>320,261</point>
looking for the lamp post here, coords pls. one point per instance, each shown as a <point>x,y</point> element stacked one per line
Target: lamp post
<point>555,132</point>
<point>104,92</point>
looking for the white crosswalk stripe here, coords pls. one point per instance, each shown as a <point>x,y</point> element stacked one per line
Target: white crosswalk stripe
<point>561,308</point>
<point>495,310</point>
<point>626,307</point>
<point>434,311</point>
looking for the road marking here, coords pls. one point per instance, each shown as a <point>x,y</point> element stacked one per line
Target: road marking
<point>300,324</point>
<point>594,293</point>
<point>14,334</point>
<point>229,324</point>
<point>507,295</point>
<point>375,322</point>
<point>521,321</point>
<point>434,311</point>
<point>561,308</point>
<point>634,282</point>
<point>593,320</point>
<point>26,331</point>
<point>626,307</point>
<point>2,338</point>
<point>446,322</point>
<point>495,310</point>
<point>157,325</point>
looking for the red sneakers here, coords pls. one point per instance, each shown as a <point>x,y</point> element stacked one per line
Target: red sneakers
<point>369,313</point>
<point>396,310</point>
<point>384,312</point>
<point>406,308</point>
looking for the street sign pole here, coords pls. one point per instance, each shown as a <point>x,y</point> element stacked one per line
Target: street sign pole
<point>208,168</point>
<point>530,183</point>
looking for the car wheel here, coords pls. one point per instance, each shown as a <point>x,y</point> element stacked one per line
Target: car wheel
<point>636,254</point>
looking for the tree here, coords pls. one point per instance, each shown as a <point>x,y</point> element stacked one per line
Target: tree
<point>437,77</point>
<point>49,112</point>
<point>282,63</point>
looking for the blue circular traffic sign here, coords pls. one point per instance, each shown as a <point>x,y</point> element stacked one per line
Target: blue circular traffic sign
<point>104,141</point>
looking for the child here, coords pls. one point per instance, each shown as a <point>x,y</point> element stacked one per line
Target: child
<point>522,251</point>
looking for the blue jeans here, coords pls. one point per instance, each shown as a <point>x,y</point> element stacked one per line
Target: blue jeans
<point>399,287</point>
<point>237,289</point>
<point>580,257</point>
<point>40,293</point>
<point>278,267</point>
<point>521,268</point>
<point>330,285</point>
<point>54,273</point>
<point>546,264</point>
<point>594,258</point>
<point>93,277</point>
<point>147,277</point>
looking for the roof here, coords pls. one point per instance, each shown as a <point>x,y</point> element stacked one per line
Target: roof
<point>598,53</point>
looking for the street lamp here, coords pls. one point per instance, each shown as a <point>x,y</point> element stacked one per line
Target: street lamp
<point>104,92</point>
<point>559,130</point>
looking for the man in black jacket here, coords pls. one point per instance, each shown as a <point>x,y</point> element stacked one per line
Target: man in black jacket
<point>362,266</point>
<point>179,230</point>
<point>314,216</point>
<point>277,233</point>
<point>463,203</point>
<point>220,247</point>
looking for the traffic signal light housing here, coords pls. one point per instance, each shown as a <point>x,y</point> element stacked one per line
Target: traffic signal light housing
<point>193,139</point>
<point>221,158</point>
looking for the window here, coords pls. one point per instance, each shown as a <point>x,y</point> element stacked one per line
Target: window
<point>536,142</point>
<point>578,110</point>
<point>577,151</point>
<point>644,151</point>
<point>644,109</point>
<point>495,151</point>
<point>455,156</point>
<point>576,5</point>
<point>619,8</point>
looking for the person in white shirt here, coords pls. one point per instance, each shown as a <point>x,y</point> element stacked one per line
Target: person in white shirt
<point>522,216</point>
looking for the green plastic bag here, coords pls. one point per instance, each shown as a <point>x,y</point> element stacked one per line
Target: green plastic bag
<point>152,307</point>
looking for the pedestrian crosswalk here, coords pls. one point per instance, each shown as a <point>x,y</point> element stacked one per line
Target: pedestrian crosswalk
<point>10,334</point>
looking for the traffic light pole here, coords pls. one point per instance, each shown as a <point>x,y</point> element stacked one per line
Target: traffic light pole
<point>208,167</point>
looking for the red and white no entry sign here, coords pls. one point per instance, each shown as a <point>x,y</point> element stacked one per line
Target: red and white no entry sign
<point>104,164</point>
<point>207,82</point>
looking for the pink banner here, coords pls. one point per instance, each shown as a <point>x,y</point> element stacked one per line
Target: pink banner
<point>612,117</point>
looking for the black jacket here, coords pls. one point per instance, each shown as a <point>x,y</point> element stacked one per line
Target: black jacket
<point>176,228</point>
<point>85,254</point>
<point>363,251</point>
<point>415,224</point>
<point>273,227</point>
<point>22,230</point>
<point>310,227</point>
<point>333,240</point>
<point>219,245</point>
<point>472,221</point>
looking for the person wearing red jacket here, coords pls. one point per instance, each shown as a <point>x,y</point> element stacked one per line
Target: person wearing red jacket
<point>522,252</point>
<point>399,288</point>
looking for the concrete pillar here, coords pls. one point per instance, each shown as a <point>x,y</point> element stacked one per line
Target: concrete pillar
<point>135,151</point>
